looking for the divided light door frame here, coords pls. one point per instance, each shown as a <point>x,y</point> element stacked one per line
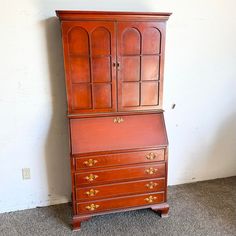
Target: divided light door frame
<point>140,57</point>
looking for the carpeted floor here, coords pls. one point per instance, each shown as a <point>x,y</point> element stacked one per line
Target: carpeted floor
<point>203,208</point>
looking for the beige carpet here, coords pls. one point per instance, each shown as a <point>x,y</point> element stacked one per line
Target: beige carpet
<point>205,208</point>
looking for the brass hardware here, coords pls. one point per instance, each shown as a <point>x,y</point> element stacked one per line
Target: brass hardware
<point>151,156</point>
<point>92,207</point>
<point>151,185</point>
<point>150,199</point>
<point>118,120</point>
<point>92,192</point>
<point>90,162</point>
<point>91,177</point>
<point>151,171</point>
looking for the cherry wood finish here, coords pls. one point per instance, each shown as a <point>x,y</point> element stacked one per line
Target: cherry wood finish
<point>118,189</point>
<point>111,16</point>
<point>140,48</point>
<point>119,159</point>
<point>106,135</point>
<point>114,65</point>
<point>120,202</point>
<point>120,174</point>
<point>90,52</point>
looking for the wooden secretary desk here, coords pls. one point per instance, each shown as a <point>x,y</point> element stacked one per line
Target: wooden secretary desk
<point>114,81</point>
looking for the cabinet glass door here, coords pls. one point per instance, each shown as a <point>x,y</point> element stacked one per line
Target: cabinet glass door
<point>140,65</point>
<point>89,50</point>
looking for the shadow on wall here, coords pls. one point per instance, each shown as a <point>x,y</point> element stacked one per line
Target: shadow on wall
<point>57,142</point>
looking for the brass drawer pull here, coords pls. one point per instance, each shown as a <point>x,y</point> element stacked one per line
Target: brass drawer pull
<point>150,199</point>
<point>151,185</point>
<point>151,171</point>
<point>90,162</point>
<point>151,156</point>
<point>118,120</point>
<point>92,192</point>
<point>92,207</point>
<point>91,177</point>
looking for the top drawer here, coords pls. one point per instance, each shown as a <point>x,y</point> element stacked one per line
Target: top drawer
<point>117,133</point>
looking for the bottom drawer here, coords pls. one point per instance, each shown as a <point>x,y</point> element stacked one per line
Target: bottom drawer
<point>119,203</point>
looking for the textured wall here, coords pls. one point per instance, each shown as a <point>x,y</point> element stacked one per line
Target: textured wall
<point>200,78</point>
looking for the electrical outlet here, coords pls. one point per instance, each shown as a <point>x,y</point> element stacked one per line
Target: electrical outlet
<point>25,173</point>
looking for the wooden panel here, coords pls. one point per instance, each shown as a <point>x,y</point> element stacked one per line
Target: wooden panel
<point>116,190</point>
<point>149,92</point>
<point>80,69</point>
<point>89,51</point>
<point>102,134</point>
<point>101,42</point>
<point>118,203</point>
<point>101,69</point>
<point>150,67</point>
<point>131,68</point>
<point>81,96</point>
<point>119,159</point>
<point>107,15</point>
<point>120,174</point>
<point>151,41</point>
<point>131,41</point>
<point>78,41</point>
<point>130,94</point>
<point>102,95</point>
<point>146,42</point>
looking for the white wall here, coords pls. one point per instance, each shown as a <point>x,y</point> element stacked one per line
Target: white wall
<point>200,78</point>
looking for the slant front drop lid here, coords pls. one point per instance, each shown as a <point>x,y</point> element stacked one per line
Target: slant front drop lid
<point>114,63</point>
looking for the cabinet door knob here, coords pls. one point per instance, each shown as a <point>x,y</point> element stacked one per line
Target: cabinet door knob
<point>91,177</point>
<point>151,156</point>
<point>118,120</point>
<point>92,192</point>
<point>90,162</point>
<point>151,185</point>
<point>150,199</point>
<point>92,207</point>
<point>151,171</point>
<point>118,65</point>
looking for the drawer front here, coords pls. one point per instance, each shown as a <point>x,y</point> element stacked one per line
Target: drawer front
<point>120,174</point>
<point>117,133</point>
<point>119,203</point>
<point>115,190</point>
<point>119,159</point>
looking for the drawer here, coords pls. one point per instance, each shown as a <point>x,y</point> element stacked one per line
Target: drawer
<point>119,203</point>
<point>117,133</point>
<point>119,189</point>
<point>120,174</point>
<point>119,159</point>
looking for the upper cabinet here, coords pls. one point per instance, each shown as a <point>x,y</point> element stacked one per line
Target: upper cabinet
<point>113,65</point>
